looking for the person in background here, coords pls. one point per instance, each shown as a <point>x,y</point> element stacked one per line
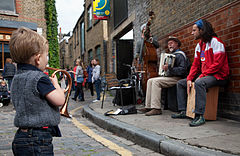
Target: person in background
<point>85,75</point>
<point>35,96</point>
<point>9,72</point>
<point>79,79</point>
<point>72,77</point>
<point>89,78</point>
<point>210,68</point>
<point>96,78</point>
<point>75,82</point>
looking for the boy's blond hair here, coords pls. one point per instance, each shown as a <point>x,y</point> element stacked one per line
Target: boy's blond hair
<point>25,43</point>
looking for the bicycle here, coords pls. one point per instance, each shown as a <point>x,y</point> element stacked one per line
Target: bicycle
<point>136,81</point>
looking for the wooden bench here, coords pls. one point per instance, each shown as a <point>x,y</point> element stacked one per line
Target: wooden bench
<point>211,103</point>
<point>111,80</point>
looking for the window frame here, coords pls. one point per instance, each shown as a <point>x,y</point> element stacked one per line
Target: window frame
<point>13,11</point>
<point>89,17</point>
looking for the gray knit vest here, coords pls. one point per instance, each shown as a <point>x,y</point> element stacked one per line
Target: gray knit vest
<point>9,70</point>
<point>31,110</point>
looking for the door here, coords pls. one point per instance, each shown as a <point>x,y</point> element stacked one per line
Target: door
<point>124,58</point>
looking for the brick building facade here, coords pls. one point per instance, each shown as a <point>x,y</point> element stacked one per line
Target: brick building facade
<point>88,40</point>
<point>175,18</point>
<point>95,37</point>
<point>17,13</point>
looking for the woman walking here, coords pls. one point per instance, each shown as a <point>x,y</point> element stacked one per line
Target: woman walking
<point>89,79</point>
<point>96,78</point>
<point>79,78</point>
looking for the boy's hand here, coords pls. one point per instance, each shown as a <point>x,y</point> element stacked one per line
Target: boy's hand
<point>54,81</point>
<point>56,97</point>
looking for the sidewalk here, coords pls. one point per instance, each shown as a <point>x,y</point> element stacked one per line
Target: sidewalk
<point>169,136</point>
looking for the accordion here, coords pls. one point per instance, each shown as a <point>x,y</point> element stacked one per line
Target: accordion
<point>165,59</point>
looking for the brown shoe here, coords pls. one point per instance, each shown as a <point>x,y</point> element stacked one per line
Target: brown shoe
<point>145,110</point>
<point>154,112</point>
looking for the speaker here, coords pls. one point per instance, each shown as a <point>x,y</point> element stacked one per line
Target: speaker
<point>128,95</point>
<point>172,98</point>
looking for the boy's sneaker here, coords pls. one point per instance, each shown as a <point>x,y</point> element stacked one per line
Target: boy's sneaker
<point>197,121</point>
<point>180,115</point>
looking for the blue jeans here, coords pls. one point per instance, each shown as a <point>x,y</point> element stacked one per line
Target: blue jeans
<point>97,84</point>
<point>201,86</point>
<point>79,91</point>
<point>9,83</point>
<point>75,94</point>
<point>33,142</point>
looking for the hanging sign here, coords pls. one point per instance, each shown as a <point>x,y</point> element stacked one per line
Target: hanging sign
<point>101,9</point>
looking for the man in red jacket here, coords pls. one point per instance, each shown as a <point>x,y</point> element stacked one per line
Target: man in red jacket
<point>210,68</point>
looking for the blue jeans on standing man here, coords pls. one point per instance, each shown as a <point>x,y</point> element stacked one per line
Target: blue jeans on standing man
<point>97,84</point>
<point>9,80</point>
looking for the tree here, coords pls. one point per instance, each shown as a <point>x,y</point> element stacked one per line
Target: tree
<point>52,33</point>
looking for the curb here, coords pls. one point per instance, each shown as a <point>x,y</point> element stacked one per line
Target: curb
<point>158,143</point>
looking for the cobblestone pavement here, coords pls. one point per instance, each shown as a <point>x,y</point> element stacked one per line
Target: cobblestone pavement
<point>74,142</point>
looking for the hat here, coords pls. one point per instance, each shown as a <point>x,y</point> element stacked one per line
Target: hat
<point>199,23</point>
<point>172,38</point>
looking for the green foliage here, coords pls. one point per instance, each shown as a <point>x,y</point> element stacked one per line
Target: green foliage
<point>52,33</point>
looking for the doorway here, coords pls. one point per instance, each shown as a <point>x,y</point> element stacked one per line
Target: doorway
<point>124,58</point>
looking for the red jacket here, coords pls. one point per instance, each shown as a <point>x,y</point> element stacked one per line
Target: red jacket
<point>210,59</point>
<point>74,70</point>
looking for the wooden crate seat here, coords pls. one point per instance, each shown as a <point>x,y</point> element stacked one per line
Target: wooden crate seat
<point>211,103</point>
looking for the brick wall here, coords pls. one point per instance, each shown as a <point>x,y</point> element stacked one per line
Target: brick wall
<point>226,23</point>
<point>93,37</point>
<point>29,11</point>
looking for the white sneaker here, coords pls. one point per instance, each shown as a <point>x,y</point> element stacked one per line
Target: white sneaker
<point>1,104</point>
<point>96,100</point>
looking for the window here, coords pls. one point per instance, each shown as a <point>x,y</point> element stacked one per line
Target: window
<point>89,17</point>
<point>82,37</point>
<point>7,6</point>
<point>4,53</point>
<point>70,49</point>
<point>75,40</point>
<point>90,55</point>
<point>77,35</point>
<point>120,11</point>
<point>98,53</point>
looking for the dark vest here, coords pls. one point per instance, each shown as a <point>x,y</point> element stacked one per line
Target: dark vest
<point>9,70</point>
<point>31,110</point>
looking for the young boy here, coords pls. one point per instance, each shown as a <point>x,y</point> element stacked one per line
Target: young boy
<point>35,96</point>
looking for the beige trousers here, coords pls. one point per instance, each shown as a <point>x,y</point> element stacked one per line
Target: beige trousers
<point>154,90</point>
